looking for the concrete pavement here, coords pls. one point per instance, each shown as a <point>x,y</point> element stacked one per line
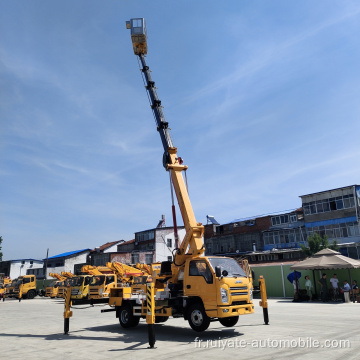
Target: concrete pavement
<point>33,329</point>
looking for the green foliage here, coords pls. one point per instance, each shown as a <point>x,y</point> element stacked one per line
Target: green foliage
<point>317,243</point>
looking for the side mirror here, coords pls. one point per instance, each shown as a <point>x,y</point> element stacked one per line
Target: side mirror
<point>218,271</point>
<point>225,273</point>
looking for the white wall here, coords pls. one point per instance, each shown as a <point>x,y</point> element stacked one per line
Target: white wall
<point>162,251</point>
<point>73,260</point>
<point>18,269</point>
<point>113,248</point>
<point>68,263</point>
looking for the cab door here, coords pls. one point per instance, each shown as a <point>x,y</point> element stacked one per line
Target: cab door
<point>200,281</point>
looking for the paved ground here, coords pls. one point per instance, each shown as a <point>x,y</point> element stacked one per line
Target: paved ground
<point>33,329</point>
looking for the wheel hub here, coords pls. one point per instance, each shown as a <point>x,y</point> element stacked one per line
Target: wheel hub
<point>197,317</point>
<point>124,316</point>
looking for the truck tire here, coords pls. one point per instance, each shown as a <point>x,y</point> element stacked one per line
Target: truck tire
<point>229,321</point>
<point>31,294</point>
<point>127,318</point>
<point>197,317</point>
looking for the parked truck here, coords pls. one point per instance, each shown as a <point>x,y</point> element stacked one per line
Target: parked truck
<point>198,288</point>
<point>25,287</point>
<point>52,289</point>
<point>102,280</point>
<point>65,284</point>
<point>79,286</point>
<point>4,283</point>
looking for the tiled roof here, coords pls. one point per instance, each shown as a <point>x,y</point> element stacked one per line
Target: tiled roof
<point>109,244</point>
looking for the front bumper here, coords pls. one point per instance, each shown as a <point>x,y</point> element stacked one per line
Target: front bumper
<point>231,310</point>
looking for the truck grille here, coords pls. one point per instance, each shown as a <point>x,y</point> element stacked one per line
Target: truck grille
<point>239,303</point>
<point>238,290</point>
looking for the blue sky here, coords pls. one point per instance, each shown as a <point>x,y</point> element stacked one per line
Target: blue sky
<point>262,98</point>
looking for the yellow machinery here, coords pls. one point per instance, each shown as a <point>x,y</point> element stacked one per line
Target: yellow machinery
<point>52,289</point>
<point>107,277</point>
<point>102,281</point>
<point>4,283</point>
<point>9,289</point>
<point>125,273</point>
<point>198,288</point>
<point>63,285</point>
<point>152,269</point>
<point>25,287</point>
<point>79,286</point>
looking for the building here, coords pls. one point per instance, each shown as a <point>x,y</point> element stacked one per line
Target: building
<point>335,213</point>
<point>287,231</point>
<point>16,268</point>
<point>102,254</point>
<point>275,237</point>
<point>239,236</point>
<point>69,261</point>
<point>149,246</point>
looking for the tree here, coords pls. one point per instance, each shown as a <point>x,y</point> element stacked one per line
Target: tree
<point>317,243</point>
<point>1,254</point>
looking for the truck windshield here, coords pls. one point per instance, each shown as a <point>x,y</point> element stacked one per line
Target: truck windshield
<point>97,280</point>
<point>230,265</point>
<point>78,281</point>
<point>68,282</point>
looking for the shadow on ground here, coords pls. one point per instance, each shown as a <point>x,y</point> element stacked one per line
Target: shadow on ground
<point>137,337</point>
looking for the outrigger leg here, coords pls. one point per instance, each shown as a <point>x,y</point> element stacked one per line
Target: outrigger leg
<point>263,303</point>
<point>150,315</point>
<point>67,312</point>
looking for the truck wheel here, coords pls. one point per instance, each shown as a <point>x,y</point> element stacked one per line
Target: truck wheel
<point>197,317</point>
<point>229,321</point>
<point>127,318</point>
<point>31,294</point>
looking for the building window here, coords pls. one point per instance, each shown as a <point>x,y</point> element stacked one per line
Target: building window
<point>285,236</point>
<point>280,219</point>
<point>170,258</point>
<point>144,236</point>
<point>148,258</point>
<point>169,243</point>
<point>134,258</point>
<point>334,231</point>
<point>331,204</point>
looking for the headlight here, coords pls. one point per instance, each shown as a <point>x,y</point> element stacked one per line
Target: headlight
<point>224,295</point>
<point>101,291</point>
<point>251,294</point>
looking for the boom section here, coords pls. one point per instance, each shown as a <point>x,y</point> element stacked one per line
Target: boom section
<point>193,244</point>
<point>162,124</point>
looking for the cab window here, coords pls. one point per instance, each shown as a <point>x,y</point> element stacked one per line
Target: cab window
<point>109,279</point>
<point>201,268</point>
